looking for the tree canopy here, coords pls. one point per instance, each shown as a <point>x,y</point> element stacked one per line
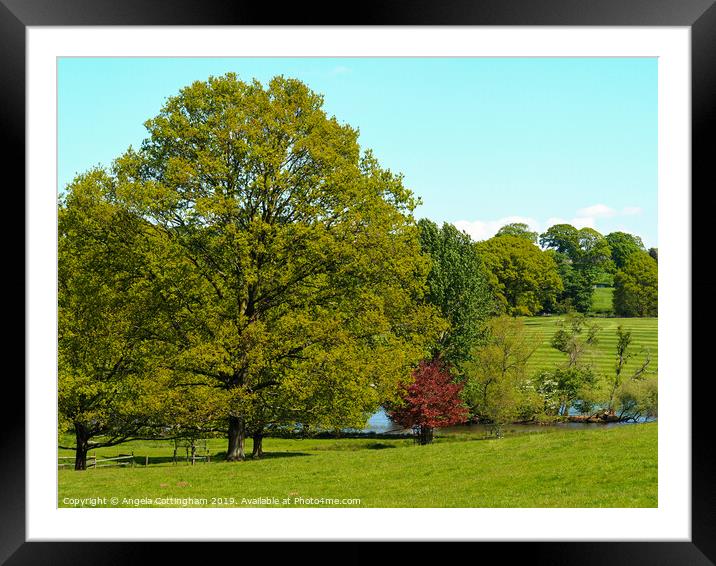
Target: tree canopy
<point>636,286</point>
<point>432,400</point>
<point>289,259</point>
<point>622,246</point>
<point>519,229</point>
<point>107,380</point>
<point>457,285</point>
<point>524,279</point>
<point>582,254</point>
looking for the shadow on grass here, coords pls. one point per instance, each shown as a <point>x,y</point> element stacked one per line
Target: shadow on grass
<point>221,456</point>
<point>379,446</point>
<point>217,457</point>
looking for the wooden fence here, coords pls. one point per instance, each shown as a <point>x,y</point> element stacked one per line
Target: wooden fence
<point>128,459</point>
<point>94,462</point>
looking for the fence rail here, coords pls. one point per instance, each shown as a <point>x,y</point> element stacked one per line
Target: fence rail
<point>192,447</point>
<point>94,462</point>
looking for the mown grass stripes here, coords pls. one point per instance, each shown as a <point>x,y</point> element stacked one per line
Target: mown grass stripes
<point>644,339</point>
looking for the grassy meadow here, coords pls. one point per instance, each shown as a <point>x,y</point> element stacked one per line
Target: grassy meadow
<point>644,338</point>
<point>597,467</point>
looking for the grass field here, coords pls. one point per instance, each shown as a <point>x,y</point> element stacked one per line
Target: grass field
<point>644,337</point>
<point>602,300</point>
<point>609,467</point>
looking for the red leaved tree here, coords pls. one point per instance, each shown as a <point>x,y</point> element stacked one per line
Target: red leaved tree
<point>432,400</point>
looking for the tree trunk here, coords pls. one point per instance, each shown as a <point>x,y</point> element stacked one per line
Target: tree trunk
<point>425,435</point>
<point>258,450</point>
<point>237,433</point>
<point>81,447</point>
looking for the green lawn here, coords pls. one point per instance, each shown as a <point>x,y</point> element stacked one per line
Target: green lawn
<point>644,337</point>
<point>599,467</point>
<point>602,300</point>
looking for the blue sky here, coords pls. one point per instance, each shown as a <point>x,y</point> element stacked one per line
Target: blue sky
<point>483,141</point>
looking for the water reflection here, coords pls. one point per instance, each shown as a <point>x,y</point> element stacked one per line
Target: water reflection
<point>379,423</point>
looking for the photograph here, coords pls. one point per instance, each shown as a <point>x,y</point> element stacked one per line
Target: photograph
<point>358,282</point>
<point>296,278</point>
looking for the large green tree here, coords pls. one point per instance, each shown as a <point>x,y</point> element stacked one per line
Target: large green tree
<point>457,285</point>
<point>291,259</point>
<point>518,229</point>
<point>107,388</point>
<point>583,254</point>
<point>623,245</point>
<point>636,286</point>
<point>524,279</point>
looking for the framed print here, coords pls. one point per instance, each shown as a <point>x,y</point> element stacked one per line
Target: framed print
<point>392,278</point>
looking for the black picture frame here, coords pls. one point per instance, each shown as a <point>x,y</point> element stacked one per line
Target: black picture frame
<point>698,15</point>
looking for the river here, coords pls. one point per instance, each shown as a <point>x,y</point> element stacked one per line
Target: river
<point>379,423</point>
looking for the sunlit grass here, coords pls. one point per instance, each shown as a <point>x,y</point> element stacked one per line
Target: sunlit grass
<point>644,339</point>
<point>610,467</point>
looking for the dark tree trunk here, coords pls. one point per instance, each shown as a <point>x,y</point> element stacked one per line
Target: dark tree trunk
<point>258,450</point>
<point>81,447</point>
<point>237,433</point>
<point>425,435</point>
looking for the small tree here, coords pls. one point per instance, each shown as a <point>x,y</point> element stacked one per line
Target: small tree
<point>497,388</point>
<point>576,337</point>
<point>573,381</point>
<point>432,400</point>
<point>626,396</point>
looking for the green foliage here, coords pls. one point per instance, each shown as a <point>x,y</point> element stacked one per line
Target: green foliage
<point>582,256</point>
<point>457,285</point>
<point>518,229</point>
<point>524,279</point>
<point>638,398</point>
<point>577,285</point>
<point>562,387</point>
<point>497,389</point>
<point>636,394</point>
<point>287,261</point>
<point>106,382</point>
<point>575,337</point>
<point>623,245</point>
<point>574,381</point>
<point>636,286</point>
<point>563,238</point>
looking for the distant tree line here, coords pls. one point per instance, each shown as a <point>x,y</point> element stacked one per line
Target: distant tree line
<point>484,350</point>
<point>561,275</point>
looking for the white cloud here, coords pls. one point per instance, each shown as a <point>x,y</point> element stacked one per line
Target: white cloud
<point>587,217</point>
<point>631,210</point>
<point>583,222</point>
<point>485,229</point>
<point>341,70</point>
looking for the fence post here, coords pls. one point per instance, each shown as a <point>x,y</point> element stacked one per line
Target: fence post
<point>94,461</point>
<point>132,464</point>
<point>146,460</point>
